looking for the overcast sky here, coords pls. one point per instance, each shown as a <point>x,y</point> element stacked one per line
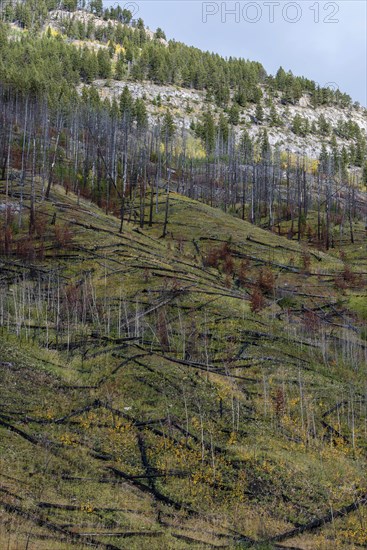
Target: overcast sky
<point>323,40</point>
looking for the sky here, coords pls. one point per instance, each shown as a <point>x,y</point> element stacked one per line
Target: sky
<point>325,41</point>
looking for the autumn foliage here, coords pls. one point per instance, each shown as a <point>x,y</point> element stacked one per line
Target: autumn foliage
<point>257,301</point>
<point>266,280</point>
<point>63,236</point>
<point>220,257</point>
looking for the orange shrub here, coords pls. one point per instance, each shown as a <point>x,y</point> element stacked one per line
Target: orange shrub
<point>63,236</point>
<point>257,301</point>
<point>266,280</point>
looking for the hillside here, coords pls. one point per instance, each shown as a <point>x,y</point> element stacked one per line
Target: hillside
<point>298,114</point>
<point>186,105</point>
<point>144,400</point>
<point>183,290</point>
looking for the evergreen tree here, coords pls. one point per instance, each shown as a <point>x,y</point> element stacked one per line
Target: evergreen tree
<point>115,109</point>
<point>360,153</point>
<point>90,30</point>
<point>275,120</point>
<point>3,35</point>
<point>168,126</point>
<point>316,99</point>
<point>96,7</point>
<point>234,115</point>
<point>352,154</point>
<point>296,90</point>
<point>323,159</point>
<point>126,16</point>
<point>259,112</point>
<point>281,79</point>
<point>265,144</point>
<point>223,130</point>
<point>300,125</point>
<point>104,63</point>
<point>159,34</point>
<point>205,129</point>
<point>344,161</point>
<point>323,126</point>
<point>70,5</point>
<point>140,114</point>
<point>240,98</point>
<point>364,174</point>
<point>120,67</point>
<point>246,147</point>
<point>256,95</point>
<point>222,94</point>
<point>126,103</point>
<point>89,66</point>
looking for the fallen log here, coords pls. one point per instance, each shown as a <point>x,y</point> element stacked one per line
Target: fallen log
<point>157,495</point>
<point>320,522</point>
<point>87,540</point>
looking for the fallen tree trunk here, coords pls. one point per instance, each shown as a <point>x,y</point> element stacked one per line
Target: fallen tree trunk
<point>319,522</point>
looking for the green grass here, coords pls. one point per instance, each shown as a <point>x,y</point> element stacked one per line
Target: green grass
<point>160,369</point>
<point>358,304</point>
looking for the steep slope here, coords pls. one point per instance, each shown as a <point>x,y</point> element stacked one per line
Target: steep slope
<point>188,103</point>
<point>187,106</point>
<point>202,389</point>
<point>298,114</point>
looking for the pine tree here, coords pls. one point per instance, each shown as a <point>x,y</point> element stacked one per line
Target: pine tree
<point>360,153</point>
<point>126,103</point>
<point>222,94</point>
<point>205,129</point>
<point>120,67</point>
<point>297,124</point>
<point>126,16</point>
<point>159,34</point>
<point>265,145</point>
<point>240,98</point>
<point>223,129</point>
<point>234,115</point>
<point>352,154</point>
<point>96,7</point>
<point>274,118</point>
<point>344,162</point>
<point>3,35</point>
<point>90,30</point>
<point>259,112</point>
<point>300,125</point>
<point>70,5</point>
<point>246,147</point>
<point>364,174</point>
<point>323,126</point>
<point>323,159</point>
<point>288,92</point>
<point>89,66</point>
<point>257,94</point>
<point>140,114</point>
<point>315,99</point>
<point>280,79</point>
<point>168,126</point>
<point>296,90</point>
<point>104,64</point>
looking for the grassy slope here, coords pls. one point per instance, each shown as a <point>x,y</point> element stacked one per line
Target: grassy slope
<point>191,421</point>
